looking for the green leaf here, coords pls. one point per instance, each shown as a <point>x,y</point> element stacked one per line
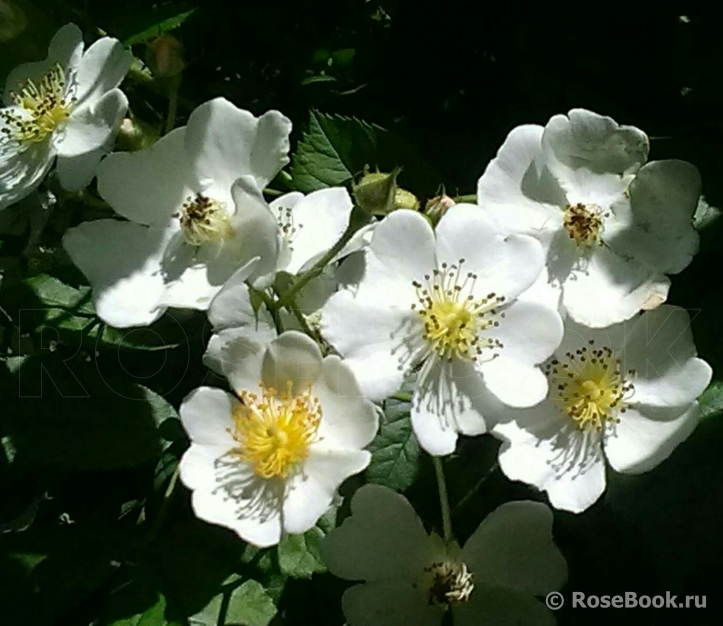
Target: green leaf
<point>52,292</point>
<point>244,605</point>
<point>711,402</point>
<point>145,25</point>
<point>65,413</point>
<point>299,555</point>
<point>395,451</point>
<point>334,149</point>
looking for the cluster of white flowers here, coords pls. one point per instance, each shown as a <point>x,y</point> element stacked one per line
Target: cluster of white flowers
<point>536,314</point>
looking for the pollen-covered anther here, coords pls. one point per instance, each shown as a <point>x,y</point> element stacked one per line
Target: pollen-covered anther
<point>453,318</point>
<point>451,583</point>
<point>584,223</point>
<point>289,228</point>
<point>590,386</point>
<point>203,220</point>
<point>44,107</point>
<point>274,430</point>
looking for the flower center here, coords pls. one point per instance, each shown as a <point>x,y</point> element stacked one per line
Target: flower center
<point>45,107</point>
<point>453,319</point>
<point>274,430</point>
<point>203,220</point>
<point>590,386</point>
<point>450,583</point>
<point>583,223</point>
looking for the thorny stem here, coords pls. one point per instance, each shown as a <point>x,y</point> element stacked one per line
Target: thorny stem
<point>443,499</point>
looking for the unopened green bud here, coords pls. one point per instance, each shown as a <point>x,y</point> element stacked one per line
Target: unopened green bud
<point>437,207</point>
<point>164,55</point>
<point>404,199</point>
<point>376,191</point>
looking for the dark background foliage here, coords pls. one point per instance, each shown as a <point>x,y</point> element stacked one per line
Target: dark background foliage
<point>88,535</point>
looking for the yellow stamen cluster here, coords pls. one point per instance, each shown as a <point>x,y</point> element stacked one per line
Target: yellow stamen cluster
<point>203,220</point>
<point>453,319</point>
<point>451,583</point>
<point>583,224</point>
<point>46,106</point>
<point>591,386</point>
<point>274,430</point>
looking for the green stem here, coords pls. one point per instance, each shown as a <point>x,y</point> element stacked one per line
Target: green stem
<point>318,267</point>
<point>272,307</point>
<point>172,108</point>
<point>291,306</point>
<point>470,494</point>
<point>163,509</point>
<point>468,198</point>
<point>443,499</point>
<point>401,396</point>
<point>273,192</point>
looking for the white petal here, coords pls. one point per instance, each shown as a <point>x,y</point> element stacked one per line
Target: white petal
<point>542,447</point>
<point>150,185</point>
<point>292,362</point>
<point>592,156</point>
<point>237,353</point>
<point>513,548</point>
<point>383,539</point>
<point>349,420</point>
<point>517,189</point>
<point>371,340</point>
<point>503,266</point>
<point>404,245</point>
<point>75,173</point>
<point>662,199</point>
<point>529,332</point>
<point>89,128</point>
<point>256,236</point>
<point>646,436</point>
<point>206,415</point>
<point>242,503</point>
<point>225,142</point>
<point>451,399</point>
<point>65,48</point>
<point>320,219</point>
<point>122,262</point>
<point>578,336</point>
<point>22,172</point>
<point>515,383</point>
<point>232,305</point>
<point>611,289</point>
<point>190,290</point>
<point>502,607</point>
<point>198,466</point>
<point>659,347</point>
<point>389,603</point>
<point>311,492</point>
<point>102,68</point>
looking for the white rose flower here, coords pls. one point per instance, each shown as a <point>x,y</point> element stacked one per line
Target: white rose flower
<point>270,459</point>
<point>627,392</point>
<point>196,214</point>
<point>65,108</point>
<point>412,578</point>
<point>612,225</point>
<point>448,307</point>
